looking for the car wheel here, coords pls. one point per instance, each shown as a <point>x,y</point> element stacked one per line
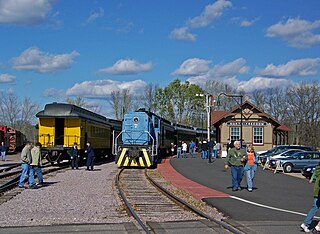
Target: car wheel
<point>287,167</point>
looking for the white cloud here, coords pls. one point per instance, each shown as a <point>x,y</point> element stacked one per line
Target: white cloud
<point>94,15</point>
<point>261,83</point>
<point>6,78</point>
<point>182,34</point>
<point>52,92</point>
<point>193,66</point>
<point>222,72</point>
<point>248,23</point>
<point>230,69</point>
<point>126,67</point>
<point>210,13</point>
<point>103,88</point>
<point>298,33</point>
<point>24,12</point>
<point>33,59</point>
<point>299,67</point>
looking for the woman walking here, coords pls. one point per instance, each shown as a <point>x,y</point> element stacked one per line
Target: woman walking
<point>250,166</point>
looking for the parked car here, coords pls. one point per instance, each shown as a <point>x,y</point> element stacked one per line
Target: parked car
<point>281,148</point>
<point>297,161</point>
<point>307,171</point>
<point>285,153</point>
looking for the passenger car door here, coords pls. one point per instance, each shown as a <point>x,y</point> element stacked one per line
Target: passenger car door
<point>304,159</point>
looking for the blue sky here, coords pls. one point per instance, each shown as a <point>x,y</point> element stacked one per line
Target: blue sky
<point>52,50</point>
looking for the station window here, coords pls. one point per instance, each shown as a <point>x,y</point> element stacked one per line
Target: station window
<point>257,135</point>
<point>234,134</point>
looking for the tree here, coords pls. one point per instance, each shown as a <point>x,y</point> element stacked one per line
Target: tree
<point>215,88</point>
<point>10,108</point>
<point>121,103</point>
<point>78,101</point>
<point>303,114</point>
<point>19,115</point>
<point>149,97</point>
<point>178,101</point>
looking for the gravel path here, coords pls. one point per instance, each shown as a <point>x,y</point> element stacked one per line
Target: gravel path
<point>73,196</point>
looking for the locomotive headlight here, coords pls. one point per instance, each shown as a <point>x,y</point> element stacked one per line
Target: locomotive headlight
<point>135,119</point>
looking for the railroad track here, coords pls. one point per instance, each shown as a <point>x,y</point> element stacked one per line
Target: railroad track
<point>154,207</point>
<point>9,180</point>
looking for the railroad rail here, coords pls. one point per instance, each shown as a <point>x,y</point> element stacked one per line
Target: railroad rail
<point>149,203</point>
<point>10,180</point>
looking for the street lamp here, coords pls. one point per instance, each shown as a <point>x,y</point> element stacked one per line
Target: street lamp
<point>234,97</point>
<point>207,96</point>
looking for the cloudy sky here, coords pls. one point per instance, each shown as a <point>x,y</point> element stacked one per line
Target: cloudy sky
<point>51,49</point>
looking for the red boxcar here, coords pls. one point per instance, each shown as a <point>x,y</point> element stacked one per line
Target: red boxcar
<point>12,138</point>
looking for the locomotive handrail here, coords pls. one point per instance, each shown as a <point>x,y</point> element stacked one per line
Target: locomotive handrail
<point>153,147</point>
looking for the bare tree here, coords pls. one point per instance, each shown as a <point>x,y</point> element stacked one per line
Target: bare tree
<point>115,103</point>
<point>121,102</point>
<point>10,108</point>
<point>303,116</point>
<point>78,101</point>
<point>149,97</point>
<point>126,102</point>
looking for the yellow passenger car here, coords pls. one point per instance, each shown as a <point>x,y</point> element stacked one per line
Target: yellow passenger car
<point>61,125</point>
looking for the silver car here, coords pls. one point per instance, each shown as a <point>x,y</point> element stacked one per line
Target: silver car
<point>297,161</point>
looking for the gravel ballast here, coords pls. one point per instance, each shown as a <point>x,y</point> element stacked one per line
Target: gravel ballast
<point>70,197</point>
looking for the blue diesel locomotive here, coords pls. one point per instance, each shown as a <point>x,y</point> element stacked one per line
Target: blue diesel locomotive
<point>146,137</point>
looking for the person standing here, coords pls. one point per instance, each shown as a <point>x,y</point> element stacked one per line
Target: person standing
<point>172,148</point>
<point>25,166</point>
<point>305,226</point>
<point>36,163</point>
<point>74,156</point>
<point>250,166</point>
<point>90,157</point>
<point>243,144</point>
<point>235,160</point>
<point>229,145</point>
<point>192,148</point>
<point>217,147</point>
<point>210,150</point>
<point>3,150</point>
<point>179,149</point>
<point>184,149</point>
<point>204,153</point>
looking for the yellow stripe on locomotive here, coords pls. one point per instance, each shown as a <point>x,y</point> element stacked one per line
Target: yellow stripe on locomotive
<point>140,158</point>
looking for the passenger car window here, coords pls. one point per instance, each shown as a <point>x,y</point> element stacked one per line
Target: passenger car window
<point>316,156</point>
<point>305,156</point>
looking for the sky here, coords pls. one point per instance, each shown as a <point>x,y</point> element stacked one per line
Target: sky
<point>51,50</point>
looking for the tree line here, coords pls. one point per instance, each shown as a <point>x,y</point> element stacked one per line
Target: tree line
<point>297,106</point>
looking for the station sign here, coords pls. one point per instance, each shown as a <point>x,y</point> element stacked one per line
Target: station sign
<point>247,123</point>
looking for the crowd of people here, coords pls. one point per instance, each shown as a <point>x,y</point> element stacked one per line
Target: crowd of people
<point>31,162</point>
<point>241,158</point>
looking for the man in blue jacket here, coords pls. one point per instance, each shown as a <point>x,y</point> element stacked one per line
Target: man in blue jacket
<point>90,157</point>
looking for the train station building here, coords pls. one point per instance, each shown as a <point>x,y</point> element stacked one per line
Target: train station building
<point>253,125</point>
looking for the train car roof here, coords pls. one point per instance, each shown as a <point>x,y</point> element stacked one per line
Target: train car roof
<point>180,127</point>
<point>65,110</point>
<point>149,113</point>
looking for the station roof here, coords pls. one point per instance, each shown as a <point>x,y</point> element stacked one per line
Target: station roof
<point>218,117</point>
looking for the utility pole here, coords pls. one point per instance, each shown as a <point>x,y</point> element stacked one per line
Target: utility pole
<point>208,109</point>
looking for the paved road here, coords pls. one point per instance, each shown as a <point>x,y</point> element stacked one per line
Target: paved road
<point>277,204</point>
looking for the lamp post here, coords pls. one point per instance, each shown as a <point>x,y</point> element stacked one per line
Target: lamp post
<point>207,96</point>
<point>234,97</point>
